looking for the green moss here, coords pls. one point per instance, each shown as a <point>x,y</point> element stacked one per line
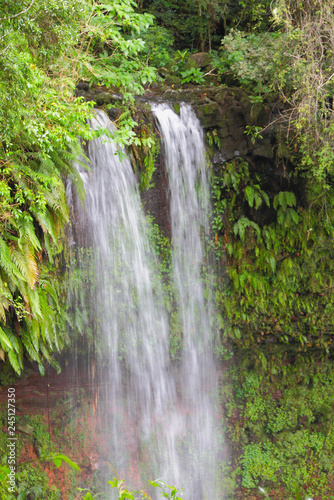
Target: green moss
<point>173,80</point>
<point>176,107</point>
<point>281,426</point>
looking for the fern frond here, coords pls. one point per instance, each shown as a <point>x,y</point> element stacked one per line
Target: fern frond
<point>45,351</point>
<point>27,233</point>
<point>47,223</point>
<point>5,300</point>
<point>30,348</point>
<point>47,166</point>
<point>14,361</point>
<point>32,300</point>
<point>41,369</point>
<point>6,263</point>
<point>34,333</point>
<point>32,266</point>
<point>49,289</point>
<point>26,263</point>
<point>56,200</point>
<point>12,338</point>
<point>5,342</point>
<point>55,365</point>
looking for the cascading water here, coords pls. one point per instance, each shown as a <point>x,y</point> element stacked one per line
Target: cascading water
<point>159,419</point>
<point>183,143</point>
<point>133,329</point>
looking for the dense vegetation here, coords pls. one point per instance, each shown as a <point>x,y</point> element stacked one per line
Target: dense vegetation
<point>46,48</point>
<point>273,233</point>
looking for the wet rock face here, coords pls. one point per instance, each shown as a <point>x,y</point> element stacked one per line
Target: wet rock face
<point>155,199</point>
<point>225,113</point>
<point>228,112</point>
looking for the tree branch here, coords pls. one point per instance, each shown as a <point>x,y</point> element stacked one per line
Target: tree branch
<point>16,15</point>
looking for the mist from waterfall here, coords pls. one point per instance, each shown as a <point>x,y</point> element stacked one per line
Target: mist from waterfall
<point>158,418</point>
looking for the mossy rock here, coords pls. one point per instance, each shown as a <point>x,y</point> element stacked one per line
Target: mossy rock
<point>176,107</point>
<point>173,80</point>
<point>209,114</point>
<point>201,59</point>
<point>191,63</point>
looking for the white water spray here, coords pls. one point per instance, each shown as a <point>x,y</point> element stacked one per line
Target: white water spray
<point>183,143</point>
<point>159,421</point>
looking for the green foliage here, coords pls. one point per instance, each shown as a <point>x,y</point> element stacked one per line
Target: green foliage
<point>252,59</point>
<point>278,261</point>
<point>253,130</point>
<point>255,196</point>
<point>166,490</point>
<point>259,461</point>
<point>88,495</point>
<point>45,48</point>
<point>110,46</point>
<point>283,424</point>
<point>198,24</point>
<point>33,483</point>
<point>293,61</point>
<point>192,75</point>
<point>191,23</point>
<point>34,213</point>
<point>286,215</point>
<point>38,143</point>
<point>158,45</point>
<point>213,138</point>
<point>252,15</point>
<point>240,226</point>
<point>31,479</point>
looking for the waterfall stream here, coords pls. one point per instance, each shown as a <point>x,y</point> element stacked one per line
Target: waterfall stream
<point>158,418</point>
<point>183,144</point>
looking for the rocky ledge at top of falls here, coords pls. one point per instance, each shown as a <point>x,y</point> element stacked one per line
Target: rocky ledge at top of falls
<point>223,111</point>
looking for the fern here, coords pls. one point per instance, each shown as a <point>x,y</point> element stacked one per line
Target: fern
<point>15,362</point>
<point>33,354</point>
<point>49,289</point>
<point>241,225</point>
<point>26,263</point>
<point>66,162</point>
<point>27,233</point>
<point>45,351</point>
<point>285,199</point>
<point>47,223</point>
<point>254,195</point>
<point>35,212</point>
<point>13,339</point>
<point>7,264</point>
<point>4,340</point>
<point>249,195</point>
<point>55,365</point>
<point>41,368</point>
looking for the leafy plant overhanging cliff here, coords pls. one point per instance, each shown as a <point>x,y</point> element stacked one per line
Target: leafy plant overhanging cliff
<point>45,48</point>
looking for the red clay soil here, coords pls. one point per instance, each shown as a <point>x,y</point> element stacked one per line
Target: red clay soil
<point>49,398</point>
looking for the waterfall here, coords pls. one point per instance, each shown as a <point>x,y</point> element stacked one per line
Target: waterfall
<point>190,208</point>
<point>158,419</point>
<point>133,331</point>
